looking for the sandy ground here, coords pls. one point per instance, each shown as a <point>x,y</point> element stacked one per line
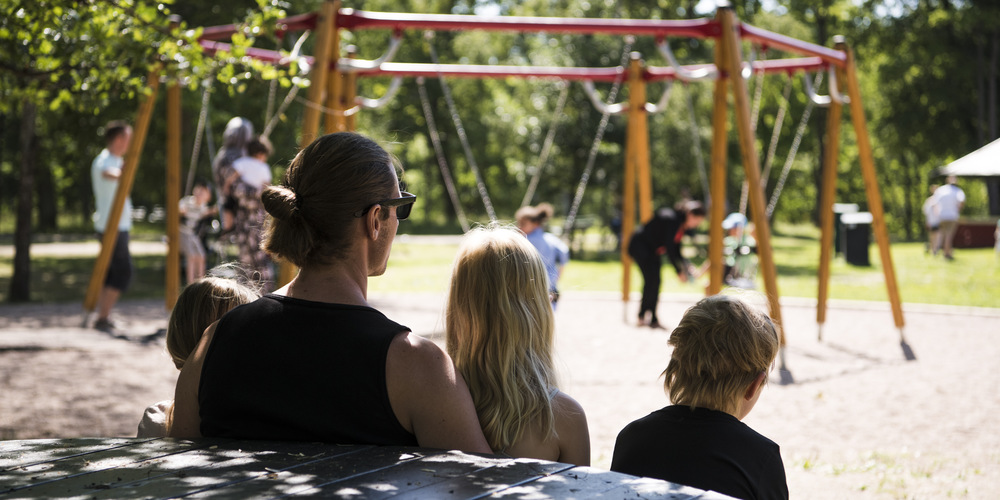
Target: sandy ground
<point>854,418</point>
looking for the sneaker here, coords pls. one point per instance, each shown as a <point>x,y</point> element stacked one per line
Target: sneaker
<point>105,325</point>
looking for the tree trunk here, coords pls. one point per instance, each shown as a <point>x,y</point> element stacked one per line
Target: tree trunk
<point>981,82</point>
<point>46,191</point>
<point>992,86</point>
<point>20,283</point>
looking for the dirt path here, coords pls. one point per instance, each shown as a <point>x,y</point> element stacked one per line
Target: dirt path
<point>857,420</point>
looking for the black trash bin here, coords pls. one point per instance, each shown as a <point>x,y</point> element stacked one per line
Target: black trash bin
<point>839,209</point>
<point>857,237</point>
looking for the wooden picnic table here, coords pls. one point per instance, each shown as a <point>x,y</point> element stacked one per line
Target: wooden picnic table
<point>162,468</point>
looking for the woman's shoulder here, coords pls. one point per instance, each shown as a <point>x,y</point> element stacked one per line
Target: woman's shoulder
<point>566,409</point>
<point>572,429</point>
<point>412,349</point>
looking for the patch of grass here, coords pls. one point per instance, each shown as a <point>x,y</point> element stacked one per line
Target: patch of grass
<point>419,266</point>
<point>65,279</point>
<point>967,281</point>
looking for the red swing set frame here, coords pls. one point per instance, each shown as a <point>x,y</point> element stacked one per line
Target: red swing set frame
<point>333,89</point>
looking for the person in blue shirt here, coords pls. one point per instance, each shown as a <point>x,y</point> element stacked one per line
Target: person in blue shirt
<point>105,171</point>
<point>555,254</point>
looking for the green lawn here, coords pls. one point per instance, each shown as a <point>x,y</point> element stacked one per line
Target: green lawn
<point>971,280</point>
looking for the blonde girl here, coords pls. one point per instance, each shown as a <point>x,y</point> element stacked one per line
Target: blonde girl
<point>199,305</point>
<point>500,335</point>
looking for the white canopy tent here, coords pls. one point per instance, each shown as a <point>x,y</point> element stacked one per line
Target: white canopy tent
<point>984,163</point>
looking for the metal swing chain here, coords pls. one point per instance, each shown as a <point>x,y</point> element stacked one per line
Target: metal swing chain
<point>696,143</point>
<point>546,146</point>
<point>771,148</point>
<point>592,157</point>
<point>791,154</point>
<point>199,131</point>
<point>449,183</point>
<point>272,120</point>
<point>758,94</point>
<point>779,121</point>
<point>271,92</point>
<point>460,129</point>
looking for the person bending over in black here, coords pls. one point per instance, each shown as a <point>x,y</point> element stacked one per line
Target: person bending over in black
<point>660,236</point>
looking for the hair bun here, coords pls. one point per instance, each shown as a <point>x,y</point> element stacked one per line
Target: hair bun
<point>280,201</point>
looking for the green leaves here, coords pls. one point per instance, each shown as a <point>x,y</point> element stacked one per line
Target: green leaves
<point>89,53</point>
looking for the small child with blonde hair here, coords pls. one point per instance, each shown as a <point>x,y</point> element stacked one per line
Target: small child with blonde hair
<point>199,305</point>
<point>723,350</point>
<point>500,329</point>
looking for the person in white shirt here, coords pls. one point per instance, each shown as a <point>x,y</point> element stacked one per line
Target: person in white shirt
<point>105,171</point>
<point>950,200</point>
<point>253,168</point>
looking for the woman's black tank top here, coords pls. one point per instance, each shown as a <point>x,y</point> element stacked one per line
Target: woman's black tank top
<point>289,369</point>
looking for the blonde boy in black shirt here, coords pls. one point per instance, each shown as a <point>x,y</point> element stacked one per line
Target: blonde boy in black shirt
<point>723,351</point>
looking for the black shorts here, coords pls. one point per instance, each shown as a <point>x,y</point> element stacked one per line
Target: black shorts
<point>120,269</point>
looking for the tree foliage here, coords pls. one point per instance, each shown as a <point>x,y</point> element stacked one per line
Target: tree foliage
<point>927,69</point>
<point>77,63</point>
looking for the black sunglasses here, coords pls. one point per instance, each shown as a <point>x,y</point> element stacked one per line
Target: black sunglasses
<point>403,204</point>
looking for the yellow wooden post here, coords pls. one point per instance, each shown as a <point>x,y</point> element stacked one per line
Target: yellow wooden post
<point>628,202</point>
<point>731,42</point>
<point>871,183</point>
<point>326,53</point>
<point>720,133</point>
<point>827,195</point>
<point>327,47</point>
<point>172,280</point>
<point>146,105</point>
<point>639,133</point>
<point>335,120</point>
<point>350,93</point>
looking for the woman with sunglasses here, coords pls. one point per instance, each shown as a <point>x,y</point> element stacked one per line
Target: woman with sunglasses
<point>313,361</point>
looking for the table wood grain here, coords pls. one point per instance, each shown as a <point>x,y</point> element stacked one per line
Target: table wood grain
<point>170,468</point>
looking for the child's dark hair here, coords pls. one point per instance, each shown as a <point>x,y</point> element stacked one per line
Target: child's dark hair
<point>114,129</point>
<point>260,145</point>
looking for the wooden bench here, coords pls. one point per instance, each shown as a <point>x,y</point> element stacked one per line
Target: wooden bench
<point>162,468</point>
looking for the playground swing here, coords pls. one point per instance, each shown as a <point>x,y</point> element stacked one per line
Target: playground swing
<point>607,109</point>
<point>772,147</point>
<point>456,119</point>
<point>442,160</point>
<point>432,130</point>
<point>543,156</point>
<point>460,130</point>
<point>696,146</point>
<point>740,252</point>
